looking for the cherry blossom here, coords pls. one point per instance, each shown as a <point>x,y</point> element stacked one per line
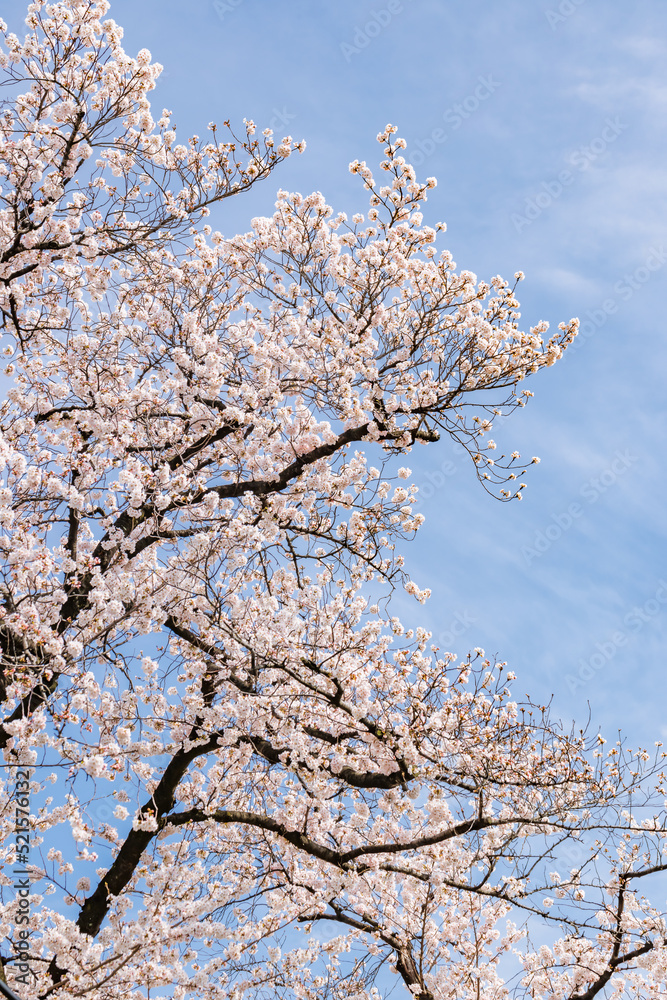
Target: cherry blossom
<point>249,778</point>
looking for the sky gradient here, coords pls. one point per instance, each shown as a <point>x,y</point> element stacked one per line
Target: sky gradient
<point>544,125</point>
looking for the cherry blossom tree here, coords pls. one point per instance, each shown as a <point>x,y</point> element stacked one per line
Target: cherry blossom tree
<point>245,776</point>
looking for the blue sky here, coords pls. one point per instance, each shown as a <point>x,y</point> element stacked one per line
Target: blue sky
<point>544,124</point>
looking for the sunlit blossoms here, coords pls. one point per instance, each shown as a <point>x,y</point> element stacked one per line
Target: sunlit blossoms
<point>248,778</point>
